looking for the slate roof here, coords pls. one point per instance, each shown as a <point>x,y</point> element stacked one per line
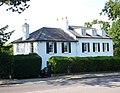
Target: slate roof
<point>87,35</point>
<point>47,34</point>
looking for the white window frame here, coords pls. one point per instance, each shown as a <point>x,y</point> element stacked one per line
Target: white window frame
<point>51,47</point>
<point>83,32</point>
<point>96,47</point>
<point>66,47</point>
<point>86,47</point>
<point>94,32</point>
<point>105,47</point>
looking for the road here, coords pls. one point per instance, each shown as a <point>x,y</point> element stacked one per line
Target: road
<point>91,85</point>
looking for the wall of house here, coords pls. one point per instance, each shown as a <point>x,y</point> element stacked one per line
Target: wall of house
<point>91,53</point>
<point>45,56</point>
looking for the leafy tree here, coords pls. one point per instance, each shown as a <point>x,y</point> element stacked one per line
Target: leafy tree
<point>4,36</point>
<point>114,31</point>
<point>112,9</point>
<point>105,27</point>
<point>15,5</point>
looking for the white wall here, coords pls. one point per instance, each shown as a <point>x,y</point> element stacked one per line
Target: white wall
<point>91,53</point>
<point>45,56</point>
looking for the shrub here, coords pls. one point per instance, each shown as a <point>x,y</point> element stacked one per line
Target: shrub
<point>84,64</point>
<point>59,64</point>
<point>5,64</point>
<point>26,66</point>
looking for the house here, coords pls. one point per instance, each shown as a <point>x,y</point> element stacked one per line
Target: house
<point>64,40</point>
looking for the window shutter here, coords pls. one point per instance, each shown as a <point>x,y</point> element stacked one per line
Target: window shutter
<point>107,46</point>
<point>98,47</point>
<point>47,47</point>
<point>82,47</point>
<point>55,47</point>
<point>88,47</point>
<point>69,47</point>
<point>62,47</point>
<point>103,47</point>
<point>93,47</point>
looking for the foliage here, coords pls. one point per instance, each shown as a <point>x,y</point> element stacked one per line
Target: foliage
<point>106,25</point>
<point>4,36</point>
<point>7,48</point>
<point>112,9</point>
<point>84,64</point>
<point>15,5</point>
<point>114,31</point>
<point>26,66</point>
<point>59,64</point>
<point>5,64</point>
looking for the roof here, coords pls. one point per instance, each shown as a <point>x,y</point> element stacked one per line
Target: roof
<point>89,36</point>
<point>47,34</point>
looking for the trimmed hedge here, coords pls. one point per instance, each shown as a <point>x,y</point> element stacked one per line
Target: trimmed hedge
<point>26,66</point>
<point>59,64</point>
<point>5,64</point>
<point>84,64</point>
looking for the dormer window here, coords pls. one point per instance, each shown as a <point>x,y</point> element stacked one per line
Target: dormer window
<point>103,33</point>
<point>83,32</point>
<point>94,32</point>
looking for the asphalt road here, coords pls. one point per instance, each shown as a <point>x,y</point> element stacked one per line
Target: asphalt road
<point>91,85</point>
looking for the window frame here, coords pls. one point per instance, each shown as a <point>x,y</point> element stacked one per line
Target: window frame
<point>51,47</point>
<point>105,47</point>
<point>66,47</point>
<point>96,47</point>
<point>85,47</point>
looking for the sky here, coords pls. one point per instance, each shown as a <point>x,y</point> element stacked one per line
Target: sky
<point>44,13</point>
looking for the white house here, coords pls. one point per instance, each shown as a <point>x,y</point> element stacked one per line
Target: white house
<point>64,40</point>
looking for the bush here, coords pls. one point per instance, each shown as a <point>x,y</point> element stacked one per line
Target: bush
<point>84,64</point>
<point>26,66</point>
<point>5,64</point>
<point>59,64</point>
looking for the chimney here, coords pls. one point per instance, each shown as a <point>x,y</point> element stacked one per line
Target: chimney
<point>25,29</point>
<point>62,23</point>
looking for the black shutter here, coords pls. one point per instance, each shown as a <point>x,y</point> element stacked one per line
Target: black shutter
<point>55,47</point>
<point>107,46</point>
<point>62,47</point>
<point>103,47</point>
<point>88,47</point>
<point>93,47</point>
<point>98,47</point>
<point>47,47</point>
<point>82,47</point>
<point>69,47</point>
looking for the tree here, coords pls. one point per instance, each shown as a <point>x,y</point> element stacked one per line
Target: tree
<point>4,36</point>
<point>15,5</point>
<point>106,25</point>
<point>112,9</point>
<point>114,31</point>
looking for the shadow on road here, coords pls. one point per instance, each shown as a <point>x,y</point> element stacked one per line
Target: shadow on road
<point>101,81</point>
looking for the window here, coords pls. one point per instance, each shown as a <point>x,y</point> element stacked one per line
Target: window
<point>96,47</point>
<point>31,48</point>
<point>17,48</point>
<point>83,32</point>
<point>94,32</point>
<point>66,47</point>
<point>20,47</point>
<point>51,47</point>
<point>105,47</point>
<point>85,47</point>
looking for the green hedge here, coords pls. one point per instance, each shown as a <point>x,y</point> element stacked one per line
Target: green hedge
<point>26,66</point>
<point>84,64</point>
<point>5,64</point>
<point>59,64</point>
